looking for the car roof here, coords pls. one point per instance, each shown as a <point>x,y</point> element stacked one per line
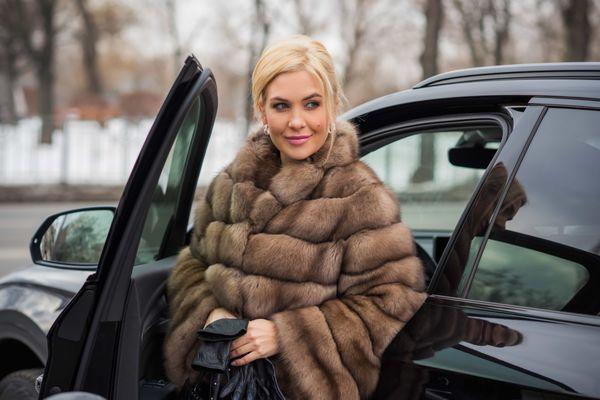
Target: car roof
<point>579,70</point>
<point>479,88</point>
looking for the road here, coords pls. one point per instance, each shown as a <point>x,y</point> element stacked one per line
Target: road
<point>18,222</point>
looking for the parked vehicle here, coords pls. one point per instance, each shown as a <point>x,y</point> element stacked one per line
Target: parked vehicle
<point>497,172</point>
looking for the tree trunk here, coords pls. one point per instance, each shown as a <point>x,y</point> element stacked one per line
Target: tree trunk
<point>434,14</point>
<point>11,76</point>
<point>32,24</point>
<point>357,24</point>
<point>575,15</point>
<point>45,70</point>
<point>260,35</point>
<point>174,34</point>
<point>468,25</point>
<point>89,47</point>
<point>502,20</point>
<point>424,172</point>
<point>45,76</point>
<point>305,21</point>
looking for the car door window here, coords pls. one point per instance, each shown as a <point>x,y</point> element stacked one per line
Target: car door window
<point>168,188</point>
<point>434,172</point>
<point>224,144</point>
<point>544,249</point>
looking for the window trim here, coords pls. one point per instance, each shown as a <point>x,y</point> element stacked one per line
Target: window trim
<point>373,140</point>
<point>482,306</point>
<point>554,102</point>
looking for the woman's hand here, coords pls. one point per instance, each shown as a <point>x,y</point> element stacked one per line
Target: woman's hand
<point>260,341</point>
<point>218,313</point>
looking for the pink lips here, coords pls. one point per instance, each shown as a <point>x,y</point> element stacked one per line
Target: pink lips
<point>298,140</point>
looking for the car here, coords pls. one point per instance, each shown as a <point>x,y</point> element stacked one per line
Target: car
<point>496,169</point>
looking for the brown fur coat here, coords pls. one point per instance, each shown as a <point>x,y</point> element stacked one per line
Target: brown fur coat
<point>318,248</point>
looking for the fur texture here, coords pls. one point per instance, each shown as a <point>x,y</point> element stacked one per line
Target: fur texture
<point>315,246</point>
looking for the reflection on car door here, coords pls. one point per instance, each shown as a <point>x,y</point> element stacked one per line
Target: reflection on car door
<point>489,334</point>
<point>88,342</point>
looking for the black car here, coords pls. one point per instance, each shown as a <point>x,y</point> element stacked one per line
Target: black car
<point>498,173</point>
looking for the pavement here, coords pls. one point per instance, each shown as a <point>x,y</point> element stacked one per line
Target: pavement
<point>18,222</point>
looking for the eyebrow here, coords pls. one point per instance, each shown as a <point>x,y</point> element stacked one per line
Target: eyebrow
<point>277,98</point>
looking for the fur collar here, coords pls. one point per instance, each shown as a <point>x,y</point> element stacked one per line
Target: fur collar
<point>259,161</point>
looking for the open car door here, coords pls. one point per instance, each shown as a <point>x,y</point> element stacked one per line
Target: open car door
<point>94,345</point>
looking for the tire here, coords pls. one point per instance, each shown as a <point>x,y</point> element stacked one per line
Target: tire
<point>20,385</point>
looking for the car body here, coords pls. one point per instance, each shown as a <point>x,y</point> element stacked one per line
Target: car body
<point>509,234</point>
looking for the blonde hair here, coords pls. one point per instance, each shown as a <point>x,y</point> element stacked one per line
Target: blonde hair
<point>297,53</point>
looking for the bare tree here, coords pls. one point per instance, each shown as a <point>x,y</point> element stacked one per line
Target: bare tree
<point>305,22</point>
<point>171,9</point>
<point>549,29</point>
<point>478,19</point>
<point>501,17</point>
<point>374,35</point>
<point>309,22</point>
<point>575,15</point>
<point>259,36</point>
<point>353,15</point>
<point>473,30</point>
<point>9,59</point>
<point>33,23</point>
<point>434,18</point>
<point>89,38</point>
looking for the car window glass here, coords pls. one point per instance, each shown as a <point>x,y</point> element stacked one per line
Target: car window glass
<point>225,141</point>
<point>544,247</point>
<point>434,173</point>
<point>168,188</point>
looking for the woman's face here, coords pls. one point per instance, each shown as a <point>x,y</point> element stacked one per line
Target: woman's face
<point>296,115</point>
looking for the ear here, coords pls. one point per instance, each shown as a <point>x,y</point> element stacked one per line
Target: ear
<point>260,111</point>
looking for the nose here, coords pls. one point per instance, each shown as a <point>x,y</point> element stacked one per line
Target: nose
<point>297,121</point>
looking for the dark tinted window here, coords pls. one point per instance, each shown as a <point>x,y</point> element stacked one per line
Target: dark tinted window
<point>544,249</point>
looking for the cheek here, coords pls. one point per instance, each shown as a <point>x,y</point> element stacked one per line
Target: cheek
<point>275,122</point>
<point>319,122</point>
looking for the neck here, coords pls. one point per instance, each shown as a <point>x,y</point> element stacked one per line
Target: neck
<point>285,160</point>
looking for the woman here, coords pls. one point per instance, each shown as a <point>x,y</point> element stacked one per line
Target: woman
<point>302,239</point>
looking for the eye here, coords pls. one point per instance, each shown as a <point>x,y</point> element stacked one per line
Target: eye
<point>312,105</point>
<point>279,106</point>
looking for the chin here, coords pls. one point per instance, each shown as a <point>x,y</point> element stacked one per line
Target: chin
<point>300,154</point>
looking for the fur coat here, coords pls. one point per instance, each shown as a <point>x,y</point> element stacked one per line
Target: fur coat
<point>317,247</point>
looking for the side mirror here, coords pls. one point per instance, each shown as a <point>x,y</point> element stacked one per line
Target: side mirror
<point>72,238</point>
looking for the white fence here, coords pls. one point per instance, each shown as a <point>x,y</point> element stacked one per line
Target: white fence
<point>83,152</point>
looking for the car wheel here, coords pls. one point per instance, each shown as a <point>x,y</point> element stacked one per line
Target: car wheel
<point>20,385</point>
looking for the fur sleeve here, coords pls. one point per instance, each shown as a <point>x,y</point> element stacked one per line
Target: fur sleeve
<point>337,346</point>
<point>190,302</point>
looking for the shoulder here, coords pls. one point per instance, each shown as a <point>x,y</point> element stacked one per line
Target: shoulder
<point>343,181</point>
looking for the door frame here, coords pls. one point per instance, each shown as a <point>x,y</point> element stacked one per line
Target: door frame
<point>83,342</point>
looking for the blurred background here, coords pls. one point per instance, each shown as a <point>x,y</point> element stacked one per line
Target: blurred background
<point>81,80</point>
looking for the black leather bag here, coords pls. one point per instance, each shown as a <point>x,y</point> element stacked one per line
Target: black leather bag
<point>220,380</point>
